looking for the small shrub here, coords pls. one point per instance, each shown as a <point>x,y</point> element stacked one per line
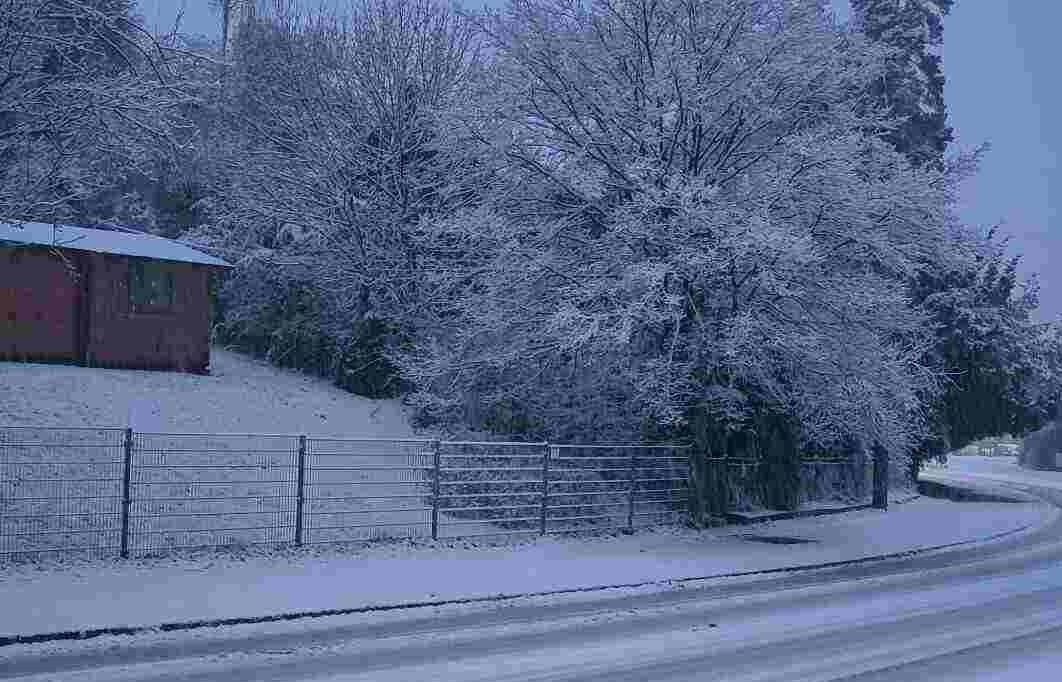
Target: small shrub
<point>1039,450</point>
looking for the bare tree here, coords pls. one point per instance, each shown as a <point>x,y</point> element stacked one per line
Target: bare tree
<point>234,15</point>
<point>686,210</point>
<point>335,154</point>
<point>84,91</point>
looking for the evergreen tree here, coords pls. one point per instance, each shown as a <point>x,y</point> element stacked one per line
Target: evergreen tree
<point>996,359</point>
<point>912,85</point>
<point>1003,366</point>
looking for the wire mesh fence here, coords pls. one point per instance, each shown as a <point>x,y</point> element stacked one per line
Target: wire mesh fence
<point>838,480</point>
<point>197,490</point>
<point>60,490</point>
<point>113,491</point>
<point>366,489</point>
<point>616,486</point>
<point>491,488</point>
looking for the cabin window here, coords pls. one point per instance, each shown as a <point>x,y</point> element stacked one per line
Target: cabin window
<point>150,286</point>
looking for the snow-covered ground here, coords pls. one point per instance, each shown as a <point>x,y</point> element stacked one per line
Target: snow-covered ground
<point>246,396</point>
<point>974,468</point>
<point>60,489</point>
<point>41,598</point>
<point>241,395</point>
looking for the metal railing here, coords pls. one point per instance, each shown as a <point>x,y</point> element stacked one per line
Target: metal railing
<point>835,480</point>
<point>196,490</point>
<point>114,491</point>
<point>61,489</point>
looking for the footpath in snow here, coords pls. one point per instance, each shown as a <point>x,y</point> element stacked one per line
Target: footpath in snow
<point>39,598</point>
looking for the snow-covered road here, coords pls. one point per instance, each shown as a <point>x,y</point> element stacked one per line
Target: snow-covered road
<point>872,624</point>
<point>41,598</point>
<point>990,612</point>
<point>990,470</point>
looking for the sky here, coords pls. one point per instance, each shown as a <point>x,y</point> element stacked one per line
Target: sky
<point>1000,60</point>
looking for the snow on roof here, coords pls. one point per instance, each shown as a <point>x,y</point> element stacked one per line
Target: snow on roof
<point>105,241</point>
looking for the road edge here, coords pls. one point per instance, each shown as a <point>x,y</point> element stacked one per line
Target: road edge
<point>181,626</point>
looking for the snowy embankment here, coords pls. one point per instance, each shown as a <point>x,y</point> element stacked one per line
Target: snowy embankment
<point>241,395</point>
<point>147,592</point>
<point>60,490</point>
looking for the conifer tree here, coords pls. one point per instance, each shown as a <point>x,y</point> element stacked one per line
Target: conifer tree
<point>912,85</point>
<point>998,360</point>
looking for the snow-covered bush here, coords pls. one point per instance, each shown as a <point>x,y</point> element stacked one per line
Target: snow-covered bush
<point>1041,449</point>
<point>279,313</point>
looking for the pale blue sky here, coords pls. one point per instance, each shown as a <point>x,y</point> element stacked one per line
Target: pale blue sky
<point>1001,59</point>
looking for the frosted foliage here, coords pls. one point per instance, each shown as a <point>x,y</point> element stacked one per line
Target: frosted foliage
<point>1004,366</point>
<point>680,205</point>
<point>86,96</point>
<point>912,87</point>
<point>333,158</point>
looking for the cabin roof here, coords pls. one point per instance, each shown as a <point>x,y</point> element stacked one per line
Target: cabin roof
<point>122,243</point>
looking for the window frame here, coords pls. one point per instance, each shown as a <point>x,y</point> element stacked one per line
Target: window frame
<point>151,287</point>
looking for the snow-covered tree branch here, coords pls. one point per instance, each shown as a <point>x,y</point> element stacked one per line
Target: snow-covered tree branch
<point>688,210</point>
<point>334,156</point>
<point>85,93</point>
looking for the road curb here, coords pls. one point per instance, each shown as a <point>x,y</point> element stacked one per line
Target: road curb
<point>971,492</point>
<point>743,519</point>
<point>179,626</point>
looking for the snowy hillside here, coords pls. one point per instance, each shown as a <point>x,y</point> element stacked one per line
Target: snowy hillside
<point>242,395</point>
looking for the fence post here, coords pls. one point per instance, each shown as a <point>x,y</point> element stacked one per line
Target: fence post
<point>630,491</point>
<point>545,489</point>
<point>691,491</point>
<point>724,484</point>
<point>127,472</point>
<point>881,478</point>
<point>435,487</point>
<point>300,491</point>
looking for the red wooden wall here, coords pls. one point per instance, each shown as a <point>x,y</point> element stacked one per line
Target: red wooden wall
<point>76,308</point>
<point>39,301</point>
